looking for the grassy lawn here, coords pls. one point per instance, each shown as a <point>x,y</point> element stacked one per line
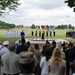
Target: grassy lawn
<point>59,34</point>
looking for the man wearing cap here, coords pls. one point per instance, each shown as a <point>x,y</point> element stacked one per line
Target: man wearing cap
<point>10,61</point>
<point>5,48</point>
<point>27,63</point>
<point>3,51</point>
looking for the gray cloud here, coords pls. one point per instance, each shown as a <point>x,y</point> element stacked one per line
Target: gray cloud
<point>46,4</point>
<point>41,12</point>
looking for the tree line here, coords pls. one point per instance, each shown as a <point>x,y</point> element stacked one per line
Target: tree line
<point>62,26</point>
<point>4,25</point>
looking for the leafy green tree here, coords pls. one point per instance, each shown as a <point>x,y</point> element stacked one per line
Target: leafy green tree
<point>71,4</point>
<point>70,26</point>
<point>6,25</point>
<point>8,5</point>
<point>73,27</point>
<point>33,26</point>
<point>62,26</point>
<point>58,27</point>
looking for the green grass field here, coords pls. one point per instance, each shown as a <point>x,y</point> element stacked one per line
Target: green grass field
<point>60,33</point>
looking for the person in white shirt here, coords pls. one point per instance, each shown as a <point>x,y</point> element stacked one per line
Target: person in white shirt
<point>44,64</point>
<point>3,51</point>
<point>10,61</point>
<point>5,48</point>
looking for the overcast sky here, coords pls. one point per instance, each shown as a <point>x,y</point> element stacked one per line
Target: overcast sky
<point>46,12</point>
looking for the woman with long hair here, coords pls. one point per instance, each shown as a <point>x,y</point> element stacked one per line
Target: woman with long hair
<point>57,66</point>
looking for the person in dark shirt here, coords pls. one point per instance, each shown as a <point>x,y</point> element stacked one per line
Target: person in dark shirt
<point>22,47</point>
<point>39,33</point>
<point>36,33</point>
<point>54,33</point>
<point>32,33</point>
<point>46,33</point>
<point>50,33</point>
<point>70,56</point>
<point>47,44</point>
<point>28,43</point>
<point>22,34</point>
<point>43,35</point>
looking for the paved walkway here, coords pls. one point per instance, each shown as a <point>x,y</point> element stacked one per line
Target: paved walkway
<point>42,41</point>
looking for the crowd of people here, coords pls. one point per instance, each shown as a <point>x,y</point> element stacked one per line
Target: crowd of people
<point>26,59</point>
<point>14,33</point>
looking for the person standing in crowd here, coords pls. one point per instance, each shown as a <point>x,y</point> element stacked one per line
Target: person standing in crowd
<point>5,48</point>
<point>72,64</point>
<point>50,33</point>
<point>31,49</point>
<point>43,34</point>
<point>38,56</point>
<point>28,43</point>
<point>39,33</point>
<point>47,44</point>
<point>46,33</point>
<point>18,43</point>
<point>22,34</point>
<point>22,47</point>
<point>27,63</point>
<point>57,66</point>
<point>32,33</point>
<point>53,45</point>
<point>36,33</point>
<point>44,64</point>
<point>70,56</point>
<point>3,51</point>
<point>62,52</point>
<point>10,61</point>
<point>54,33</point>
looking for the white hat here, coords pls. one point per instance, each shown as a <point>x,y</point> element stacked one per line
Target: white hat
<point>5,42</point>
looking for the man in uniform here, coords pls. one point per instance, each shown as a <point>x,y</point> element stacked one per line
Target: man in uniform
<point>46,33</point>
<point>54,33</point>
<point>42,35</point>
<point>36,33</point>
<point>5,48</point>
<point>50,33</point>
<point>3,51</point>
<point>39,33</point>
<point>32,33</point>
